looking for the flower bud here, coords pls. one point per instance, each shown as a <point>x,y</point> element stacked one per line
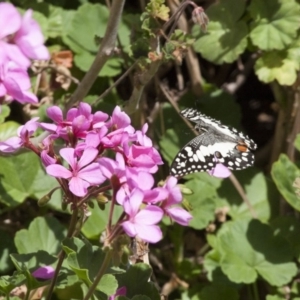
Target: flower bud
<point>199,17</point>
<point>45,199</point>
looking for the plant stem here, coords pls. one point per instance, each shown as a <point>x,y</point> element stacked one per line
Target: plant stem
<point>27,294</point>
<point>242,193</point>
<point>103,268</point>
<point>62,254</point>
<point>256,296</point>
<point>107,91</point>
<point>105,50</point>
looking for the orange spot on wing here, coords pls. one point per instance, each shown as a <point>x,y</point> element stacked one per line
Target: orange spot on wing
<point>242,147</point>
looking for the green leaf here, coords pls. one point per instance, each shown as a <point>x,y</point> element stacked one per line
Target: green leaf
<point>55,21</point>
<point>108,284</point>
<point>284,173</point>
<point>275,23</point>
<point>88,18</point>
<point>279,65</point>
<point>8,283</point>
<point>6,248</point>
<point>256,251</point>
<point>84,259</point>
<point>44,233</point>
<point>157,9</point>
<point>27,263</point>
<point>92,18</point>
<point>98,220</point>
<point>289,228</point>
<point>203,200</point>
<point>136,281</point>
<point>260,191</point>
<point>21,177</point>
<point>32,261</point>
<point>112,67</point>
<point>8,130</point>
<point>5,111</point>
<point>296,142</point>
<point>217,292</point>
<point>226,37</point>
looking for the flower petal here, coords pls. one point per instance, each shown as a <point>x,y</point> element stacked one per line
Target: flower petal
<point>150,234</point>
<point>69,155</point>
<point>92,174</point>
<point>10,19</point>
<point>149,216</point>
<point>88,156</point>
<point>179,215</point>
<point>58,171</point>
<point>78,186</point>
<point>129,228</point>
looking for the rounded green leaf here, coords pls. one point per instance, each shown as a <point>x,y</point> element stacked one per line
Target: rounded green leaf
<point>276,65</point>
<point>260,191</point>
<point>44,233</point>
<point>8,130</point>
<point>284,173</point>
<point>249,248</point>
<point>275,23</point>
<point>108,284</point>
<point>226,36</point>
<point>22,176</point>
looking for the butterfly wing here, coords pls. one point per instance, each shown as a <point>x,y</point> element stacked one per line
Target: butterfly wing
<point>194,157</point>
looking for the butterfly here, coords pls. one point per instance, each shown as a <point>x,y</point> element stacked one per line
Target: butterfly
<point>215,144</point>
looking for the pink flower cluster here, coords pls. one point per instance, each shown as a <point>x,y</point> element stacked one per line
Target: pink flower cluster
<point>21,39</point>
<point>99,149</point>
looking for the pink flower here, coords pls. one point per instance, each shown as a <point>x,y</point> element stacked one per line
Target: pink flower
<point>220,171</point>
<point>20,38</point>
<point>25,132</point>
<point>30,39</point>
<point>15,83</point>
<point>78,121</point>
<point>83,173</point>
<point>176,213</point>
<point>120,292</point>
<point>46,272</point>
<point>144,158</point>
<point>110,167</point>
<point>119,119</point>
<point>141,223</point>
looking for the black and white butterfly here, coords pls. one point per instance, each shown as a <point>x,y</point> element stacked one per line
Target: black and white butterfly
<point>215,143</point>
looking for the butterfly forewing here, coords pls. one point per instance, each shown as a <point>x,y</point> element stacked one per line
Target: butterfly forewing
<point>216,144</point>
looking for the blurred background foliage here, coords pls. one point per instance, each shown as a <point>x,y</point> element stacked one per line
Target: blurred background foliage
<point>243,242</point>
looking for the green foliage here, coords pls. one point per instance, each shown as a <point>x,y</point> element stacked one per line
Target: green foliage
<point>21,177</point>
<point>275,23</point>
<point>253,253</point>
<point>284,173</point>
<point>42,234</point>
<point>226,36</point>
<point>91,18</point>
<point>240,235</point>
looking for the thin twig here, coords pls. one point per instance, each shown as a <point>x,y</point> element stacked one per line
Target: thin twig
<point>242,193</point>
<point>107,91</point>
<point>105,50</point>
<point>140,83</point>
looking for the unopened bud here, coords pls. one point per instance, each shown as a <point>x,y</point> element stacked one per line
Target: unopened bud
<point>101,200</point>
<point>185,190</point>
<point>199,17</point>
<point>45,199</point>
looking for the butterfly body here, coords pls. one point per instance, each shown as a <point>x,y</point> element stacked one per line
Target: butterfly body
<point>215,143</point>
